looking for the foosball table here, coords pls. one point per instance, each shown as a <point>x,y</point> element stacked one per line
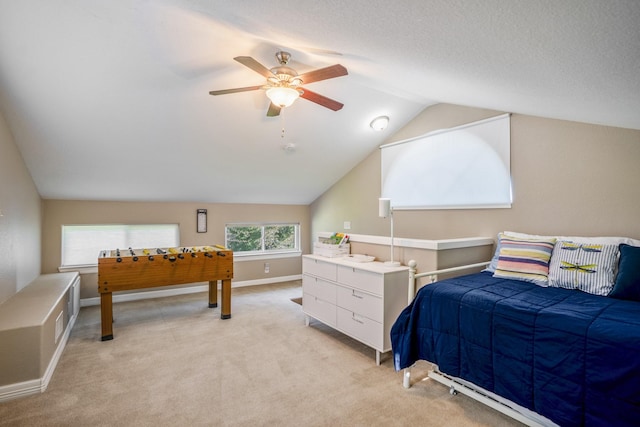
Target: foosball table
<point>127,269</point>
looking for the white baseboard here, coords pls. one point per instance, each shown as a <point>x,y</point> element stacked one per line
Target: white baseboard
<point>160,293</point>
<point>26,388</point>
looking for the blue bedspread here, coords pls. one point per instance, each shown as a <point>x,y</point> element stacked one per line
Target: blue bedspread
<point>567,355</point>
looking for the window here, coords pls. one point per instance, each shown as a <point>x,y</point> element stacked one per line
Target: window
<point>463,167</point>
<point>81,244</point>
<point>260,239</point>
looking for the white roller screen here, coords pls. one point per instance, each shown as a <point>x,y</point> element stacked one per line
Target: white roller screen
<point>463,167</point>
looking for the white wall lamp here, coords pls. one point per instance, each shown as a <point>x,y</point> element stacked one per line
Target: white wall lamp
<point>385,210</point>
<point>379,123</point>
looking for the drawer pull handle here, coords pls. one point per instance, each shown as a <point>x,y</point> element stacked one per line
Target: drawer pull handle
<point>353,294</point>
<point>357,320</point>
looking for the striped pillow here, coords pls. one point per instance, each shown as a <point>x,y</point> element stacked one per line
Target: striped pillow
<point>587,267</point>
<point>524,259</point>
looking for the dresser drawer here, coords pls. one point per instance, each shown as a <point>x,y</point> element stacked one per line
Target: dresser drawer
<point>319,309</point>
<point>359,302</point>
<point>319,287</point>
<point>360,328</point>
<point>319,268</point>
<point>361,279</point>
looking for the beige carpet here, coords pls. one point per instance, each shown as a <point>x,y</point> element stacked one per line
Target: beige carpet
<point>174,362</point>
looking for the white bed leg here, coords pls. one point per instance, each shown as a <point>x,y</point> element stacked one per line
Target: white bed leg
<point>377,358</point>
<point>306,321</point>
<point>406,378</point>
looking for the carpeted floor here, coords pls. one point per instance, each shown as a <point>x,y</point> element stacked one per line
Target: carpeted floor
<point>174,362</point>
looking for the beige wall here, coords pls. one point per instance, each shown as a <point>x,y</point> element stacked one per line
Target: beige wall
<point>568,178</point>
<point>20,206</point>
<point>65,212</point>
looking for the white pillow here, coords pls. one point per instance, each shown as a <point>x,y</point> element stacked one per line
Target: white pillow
<point>588,267</point>
<point>577,239</point>
<point>580,239</point>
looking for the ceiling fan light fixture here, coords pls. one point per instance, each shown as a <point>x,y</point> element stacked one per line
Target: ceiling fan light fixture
<point>282,96</point>
<point>379,123</point>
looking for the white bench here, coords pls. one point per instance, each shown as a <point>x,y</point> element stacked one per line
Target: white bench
<point>35,324</point>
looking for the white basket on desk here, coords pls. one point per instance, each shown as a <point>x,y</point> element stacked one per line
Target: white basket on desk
<point>331,251</point>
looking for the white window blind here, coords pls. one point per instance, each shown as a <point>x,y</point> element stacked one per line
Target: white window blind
<point>81,244</point>
<point>463,167</point>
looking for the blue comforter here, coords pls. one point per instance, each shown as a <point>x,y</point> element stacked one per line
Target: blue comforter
<point>567,355</point>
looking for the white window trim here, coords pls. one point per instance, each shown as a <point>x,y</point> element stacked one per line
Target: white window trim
<point>240,257</point>
<point>256,256</point>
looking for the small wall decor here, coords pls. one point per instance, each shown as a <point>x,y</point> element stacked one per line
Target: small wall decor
<point>202,221</point>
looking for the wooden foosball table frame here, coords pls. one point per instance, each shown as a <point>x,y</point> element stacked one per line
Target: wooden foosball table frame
<point>129,269</point>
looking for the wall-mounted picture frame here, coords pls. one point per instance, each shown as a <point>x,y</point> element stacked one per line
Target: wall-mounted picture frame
<point>201,221</point>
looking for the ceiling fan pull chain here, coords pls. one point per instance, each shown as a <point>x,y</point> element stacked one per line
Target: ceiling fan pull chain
<point>282,120</point>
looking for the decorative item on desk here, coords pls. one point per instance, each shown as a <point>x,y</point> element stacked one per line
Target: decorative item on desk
<point>385,210</point>
<point>336,245</point>
<point>360,258</point>
<point>338,239</point>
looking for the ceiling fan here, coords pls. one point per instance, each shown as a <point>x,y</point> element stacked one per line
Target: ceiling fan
<point>284,84</point>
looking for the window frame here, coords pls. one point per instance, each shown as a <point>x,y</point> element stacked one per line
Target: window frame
<point>266,254</point>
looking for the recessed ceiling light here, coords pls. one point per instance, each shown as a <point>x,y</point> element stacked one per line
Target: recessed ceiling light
<point>379,123</point>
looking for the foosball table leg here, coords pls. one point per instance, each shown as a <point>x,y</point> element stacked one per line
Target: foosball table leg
<point>106,315</point>
<point>225,312</point>
<point>213,293</point>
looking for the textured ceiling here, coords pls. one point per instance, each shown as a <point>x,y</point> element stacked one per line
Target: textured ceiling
<point>108,100</point>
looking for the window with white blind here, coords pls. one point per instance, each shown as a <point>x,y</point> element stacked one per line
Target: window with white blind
<point>463,167</point>
<point>81,244</point>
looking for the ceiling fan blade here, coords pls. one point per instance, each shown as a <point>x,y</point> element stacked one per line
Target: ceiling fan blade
<point>321,100</point>
<point>273,110</point>
<point>238,89</point>
<point>248,61</point>
<point>324,74</point>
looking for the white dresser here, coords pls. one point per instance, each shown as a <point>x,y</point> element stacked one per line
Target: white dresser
<point>359,299</point>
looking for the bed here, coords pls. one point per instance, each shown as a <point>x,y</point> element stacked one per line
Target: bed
<point>564,350</point>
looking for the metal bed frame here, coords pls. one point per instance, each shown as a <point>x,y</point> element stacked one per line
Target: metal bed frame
<point>458,385</point>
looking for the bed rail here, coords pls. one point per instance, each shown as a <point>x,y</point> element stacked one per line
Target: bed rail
<point>414,275</point>
<point>456,385</point>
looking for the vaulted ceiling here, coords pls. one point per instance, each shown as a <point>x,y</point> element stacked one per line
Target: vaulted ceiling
<point>108,100</point>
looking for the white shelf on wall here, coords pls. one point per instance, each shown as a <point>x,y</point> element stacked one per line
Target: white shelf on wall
<point>436,245</point>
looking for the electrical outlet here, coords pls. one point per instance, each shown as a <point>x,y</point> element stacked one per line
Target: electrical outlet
<point>266,267</point>
<point>347,225</point>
